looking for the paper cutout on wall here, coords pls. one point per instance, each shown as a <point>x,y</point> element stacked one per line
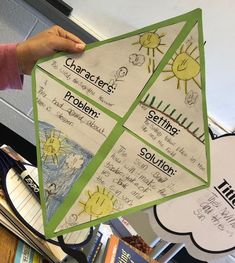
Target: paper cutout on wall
<point>207,217</point>
<point>95,160</point>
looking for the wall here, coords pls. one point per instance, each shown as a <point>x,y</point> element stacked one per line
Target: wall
<point>18,22</point>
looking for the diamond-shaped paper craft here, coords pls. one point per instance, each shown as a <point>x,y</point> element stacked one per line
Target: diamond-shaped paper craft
<point>122,126</point>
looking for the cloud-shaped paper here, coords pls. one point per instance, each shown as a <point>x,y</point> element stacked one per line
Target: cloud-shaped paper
<point>206,216</point>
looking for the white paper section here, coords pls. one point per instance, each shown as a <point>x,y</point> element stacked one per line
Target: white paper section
<point>113,74</point>
<point>131,175</point>
<point>73,116</point>
<point>172,119</point>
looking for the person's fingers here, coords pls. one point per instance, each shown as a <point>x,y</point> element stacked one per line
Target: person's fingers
<point>68,35</point>
<point>74,38</point>
<point>62,44</point>
<point>65,34</point>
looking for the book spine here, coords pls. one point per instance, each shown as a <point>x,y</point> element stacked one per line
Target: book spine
<point>112,249</point>
<point>122,227</point>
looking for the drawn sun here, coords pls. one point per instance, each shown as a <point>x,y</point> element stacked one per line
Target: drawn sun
<point>99,203</point>
<point>53,146</point>
<point>151,41</point>
<point>184,67</point>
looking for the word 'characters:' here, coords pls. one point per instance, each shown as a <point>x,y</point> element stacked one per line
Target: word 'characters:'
<point>83,73</point>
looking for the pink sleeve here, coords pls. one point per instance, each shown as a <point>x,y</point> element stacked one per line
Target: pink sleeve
<point>10,77</point>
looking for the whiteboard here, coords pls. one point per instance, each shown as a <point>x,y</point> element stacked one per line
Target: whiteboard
<point>111,18</point>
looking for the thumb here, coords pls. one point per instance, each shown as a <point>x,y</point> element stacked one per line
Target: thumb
<point>63,44</point>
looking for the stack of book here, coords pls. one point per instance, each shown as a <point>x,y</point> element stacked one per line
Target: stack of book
<point>8,219</point>
<point>14,250</point>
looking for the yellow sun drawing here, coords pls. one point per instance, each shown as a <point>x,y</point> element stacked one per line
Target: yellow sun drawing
<point>184,67</point>
<point>53,146</point>
<point>99,203</point>
<point>151,41</point>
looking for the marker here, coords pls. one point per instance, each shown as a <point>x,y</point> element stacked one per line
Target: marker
<point>28,180</point>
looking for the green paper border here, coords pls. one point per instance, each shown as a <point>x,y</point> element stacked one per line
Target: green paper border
<point>190,19</point>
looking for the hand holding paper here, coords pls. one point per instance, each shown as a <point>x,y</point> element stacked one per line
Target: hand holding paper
<point>45,44</point>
